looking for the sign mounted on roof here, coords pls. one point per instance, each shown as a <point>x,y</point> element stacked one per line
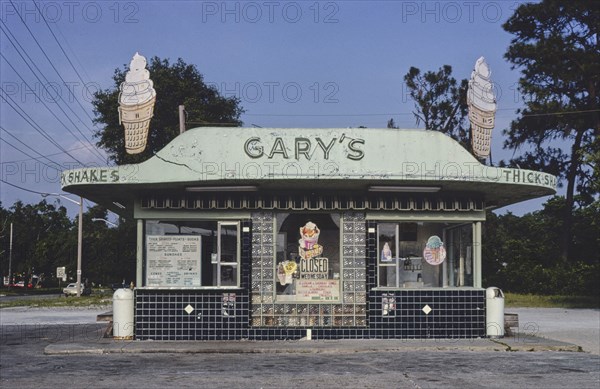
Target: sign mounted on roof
<point>482,108</point>
<point>136,105</point>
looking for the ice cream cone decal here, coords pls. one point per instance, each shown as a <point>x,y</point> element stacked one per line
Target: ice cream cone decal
<point>435,251</point>
<point>482,108</point>
<point>136,105</point>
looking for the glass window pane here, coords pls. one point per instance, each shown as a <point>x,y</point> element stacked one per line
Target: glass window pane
<point>228,275</point>
<point>387,254</point>
<point>229,243</point>
<point>307,263</point>
<point>387,276</point>
<point>460,256</point>
<point>203,238</point>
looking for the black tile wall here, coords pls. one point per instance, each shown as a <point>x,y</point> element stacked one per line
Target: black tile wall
<point>162,315</point>
<point>191,315</point>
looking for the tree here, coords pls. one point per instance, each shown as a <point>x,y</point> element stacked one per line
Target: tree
<point>43,238</point>
<point>392,124</point>
<point>440,102</point>
<point>109,253</point>
<point>176,84</point>
<point>556,48</point>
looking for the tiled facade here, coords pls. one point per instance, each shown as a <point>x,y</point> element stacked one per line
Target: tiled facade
<point>252,312</point>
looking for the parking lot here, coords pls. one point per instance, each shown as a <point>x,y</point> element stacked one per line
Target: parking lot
<point>27,332</point>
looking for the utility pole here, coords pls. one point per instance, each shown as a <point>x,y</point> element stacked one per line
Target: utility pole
<point>79,235</point>
<point>10,256</point>
<point>79,244</point>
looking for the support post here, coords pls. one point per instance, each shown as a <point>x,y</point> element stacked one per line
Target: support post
<point>139,254</point>
<point>79,246</point>
<point>477,254</point>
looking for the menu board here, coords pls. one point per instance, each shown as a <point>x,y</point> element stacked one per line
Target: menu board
<point>319,290</point>
<point>173,260</point>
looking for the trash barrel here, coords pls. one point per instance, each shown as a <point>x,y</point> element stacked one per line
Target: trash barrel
<point>123,314</point>
<point>494,312</point>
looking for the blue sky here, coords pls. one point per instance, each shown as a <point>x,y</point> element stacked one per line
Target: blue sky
<point>293,64</point>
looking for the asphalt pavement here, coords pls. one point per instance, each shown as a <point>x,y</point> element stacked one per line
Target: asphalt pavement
<point>64,347</point>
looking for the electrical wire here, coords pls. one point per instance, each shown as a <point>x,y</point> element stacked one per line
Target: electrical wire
<point>30,148</point>
<point>25,189</point>
<point>35,126</point>
<point>18,149</point>
<point>406,113</point>
<point>12,41</point>
<point>92,150</point>
<point>43,156</point>
<point>50,61</point>
<point>59,44</point>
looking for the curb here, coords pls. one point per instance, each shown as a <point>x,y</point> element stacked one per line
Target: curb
<point>531,344</point>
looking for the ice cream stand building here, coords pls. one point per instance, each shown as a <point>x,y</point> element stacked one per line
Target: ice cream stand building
<point>257,233</point>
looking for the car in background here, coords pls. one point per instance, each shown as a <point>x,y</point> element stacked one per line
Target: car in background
<point>71,290</point>
<point>21,284</point>
<point>119,285</point>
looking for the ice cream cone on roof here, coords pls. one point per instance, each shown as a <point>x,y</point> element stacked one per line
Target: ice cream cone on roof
<point>136,104</point>
<point>482,108</point>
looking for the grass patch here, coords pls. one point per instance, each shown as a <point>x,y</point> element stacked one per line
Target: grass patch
<point>96,299</point>
<point>29,292</point>
<point>514,300</point>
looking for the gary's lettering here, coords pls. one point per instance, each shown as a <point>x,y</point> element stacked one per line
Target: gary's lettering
<point>303,148</point>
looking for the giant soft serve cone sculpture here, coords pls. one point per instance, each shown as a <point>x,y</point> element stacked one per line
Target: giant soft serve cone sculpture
<point>136,105</point>
<point>482,108</point>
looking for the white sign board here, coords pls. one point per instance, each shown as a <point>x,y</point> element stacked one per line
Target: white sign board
<point>173,260</point>
<point>61,272</point>
<point>318,290</point>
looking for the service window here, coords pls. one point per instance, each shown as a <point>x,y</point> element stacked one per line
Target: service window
<point>307,263</point>
<point>192,253</point>
<point>417,255</point>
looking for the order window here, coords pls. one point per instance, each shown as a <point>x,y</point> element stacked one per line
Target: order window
<point>192,253</point>
<point>417,255</point>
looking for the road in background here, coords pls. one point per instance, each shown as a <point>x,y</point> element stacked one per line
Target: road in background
<point>577,326</point>
<point>35,316</point>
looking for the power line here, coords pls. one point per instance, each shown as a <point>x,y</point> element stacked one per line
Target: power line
<point>92,150</point>
<point>59,44</point>
<point>48,58</point>
<point>24,144</point>
<point>35,126</point>
<point>43,156</point>
<point>25,189</point>
<point>18,149</point>
<point>12,40</point>
<point>402,113</point>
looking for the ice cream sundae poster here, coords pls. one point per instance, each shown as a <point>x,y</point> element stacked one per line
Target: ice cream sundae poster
<point>435,251</point>
<point>136,105</point>
<point>311,273</point>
